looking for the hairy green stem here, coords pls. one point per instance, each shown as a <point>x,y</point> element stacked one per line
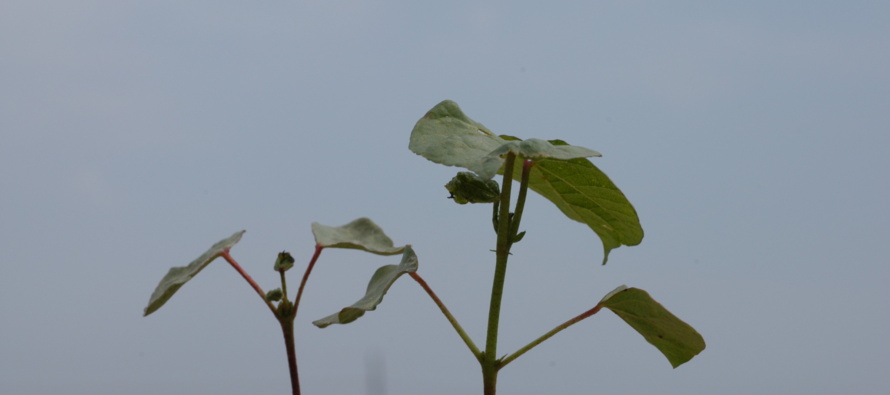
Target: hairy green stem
<point>550,334</point>
<point>490,363</point>
<point>460,330</point>
<point>253,284</point>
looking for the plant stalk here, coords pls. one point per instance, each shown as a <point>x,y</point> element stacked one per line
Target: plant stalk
<point>286,319</point>
<point>253,284</point>
<point>318,249</point>
<point>490,363</point>
<point>520,199</point>
<point>460,330</point>
<point>286,315</point>
<point>550,334</point>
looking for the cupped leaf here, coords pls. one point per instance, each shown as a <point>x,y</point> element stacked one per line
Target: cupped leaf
<point>177,276</point>
<point>380,282</point>
<point>678,341</point>
<point>585,194</point>
<point>361,234</point>
<point>447,136</point>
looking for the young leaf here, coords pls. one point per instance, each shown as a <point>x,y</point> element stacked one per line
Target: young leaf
<point>678,341</point>
<point>380,282</point>
<point>177,276</point>
<point>467,187</point>
<point>447,136</point>
<point>361,234</point>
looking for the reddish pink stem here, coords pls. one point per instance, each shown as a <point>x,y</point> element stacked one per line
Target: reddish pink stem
<point>256,287</point>
<point>318,248</point>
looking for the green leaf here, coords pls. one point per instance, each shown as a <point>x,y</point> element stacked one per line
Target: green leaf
<point>274,295</point>
<point>447,136</point>
<point>539,149</point>
<point>561,174</point>
<point>361,234</point>
<point>678,341</point>
<point>177,276</point>
<point>380,282</point>
<point>585,194</point>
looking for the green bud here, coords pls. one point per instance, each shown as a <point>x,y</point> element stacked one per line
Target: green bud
<point>274,295</point>
<point>468,187</point>
<point>519,237</point>
<point>284,262</point>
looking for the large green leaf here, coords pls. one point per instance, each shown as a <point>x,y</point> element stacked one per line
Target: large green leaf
<point>361,234</point>
<point>678,341</point>
<point>585,194</point>
<point>561,174</point>
<point>177,276</point>
<point>447,136</point>
<point>380,282</point>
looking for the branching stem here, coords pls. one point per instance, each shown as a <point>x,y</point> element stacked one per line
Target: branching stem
<point>285,314</point>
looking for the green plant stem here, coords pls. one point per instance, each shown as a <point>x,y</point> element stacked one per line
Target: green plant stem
<point>460,330</point>
<point>520,199</point>
<point>284,314</point>
<point>490,363</point>
<point>550,334</point>
<point>318,249</point>
<point>283,284</point>
<point>287,328</point>
<point>253,284</point>
<point>287,312</point>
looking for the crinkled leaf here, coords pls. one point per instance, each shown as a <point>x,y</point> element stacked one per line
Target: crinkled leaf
<point>447,136</point>
<point>274,295</point>
<point>380,282</point>
<point>177,276</point>
<point>678,341</point>
<point>467,187</point>
<point>361,234</point>
<point>585,194</point>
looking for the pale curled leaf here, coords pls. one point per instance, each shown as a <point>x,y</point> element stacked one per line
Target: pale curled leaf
<point>447,136</point>
<point>678,341</point>
<point>177,276</point>
<point>539,149</point>
<point>380,282</point>
<point>361,234</point>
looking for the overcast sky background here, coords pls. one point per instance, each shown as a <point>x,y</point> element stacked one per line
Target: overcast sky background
<point>752,138</point>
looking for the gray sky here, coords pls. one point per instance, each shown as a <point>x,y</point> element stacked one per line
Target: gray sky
<point>750,136</point>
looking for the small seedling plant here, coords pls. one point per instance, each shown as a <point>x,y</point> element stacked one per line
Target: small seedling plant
<point>554,169</point>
